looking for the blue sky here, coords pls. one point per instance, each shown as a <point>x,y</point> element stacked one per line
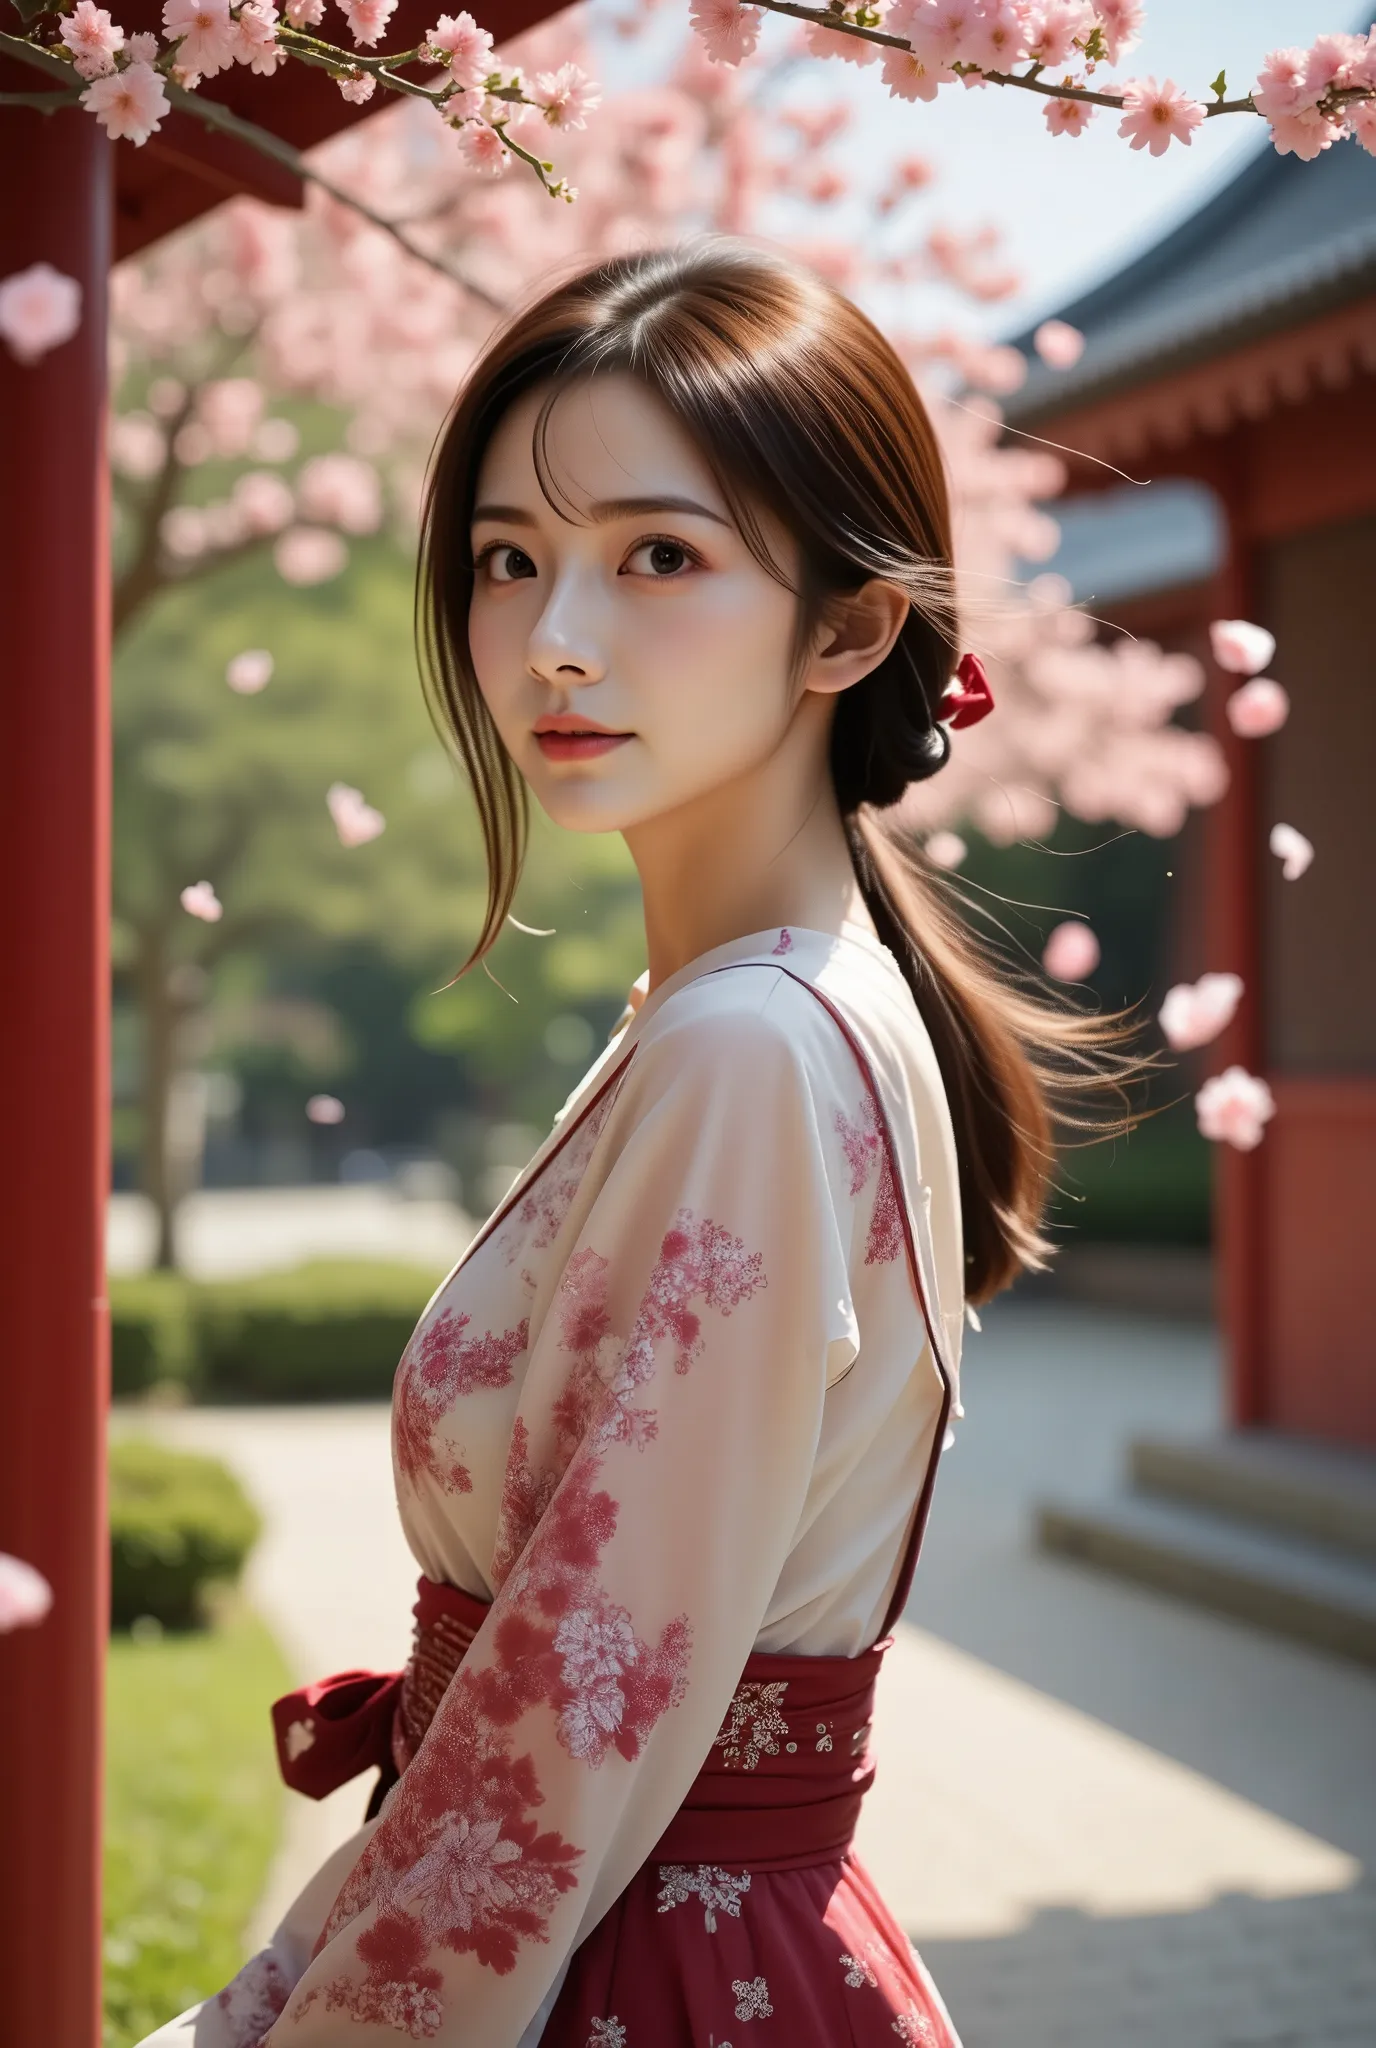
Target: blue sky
<point>1071,209</point>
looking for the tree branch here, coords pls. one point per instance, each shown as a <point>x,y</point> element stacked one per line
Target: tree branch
<point>212,115</point>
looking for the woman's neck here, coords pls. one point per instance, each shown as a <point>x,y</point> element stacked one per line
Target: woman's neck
<point>767,849</point>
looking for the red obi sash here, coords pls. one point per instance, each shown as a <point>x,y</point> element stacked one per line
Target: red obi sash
<point>781,1786</point>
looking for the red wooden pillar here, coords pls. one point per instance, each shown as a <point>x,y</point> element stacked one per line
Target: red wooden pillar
<point>54,889</point>
<point>1233,941</point>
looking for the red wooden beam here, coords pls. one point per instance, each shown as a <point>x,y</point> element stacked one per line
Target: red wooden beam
<point>54,892</point>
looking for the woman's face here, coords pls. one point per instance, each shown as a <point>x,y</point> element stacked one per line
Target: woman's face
<point>633,653</point>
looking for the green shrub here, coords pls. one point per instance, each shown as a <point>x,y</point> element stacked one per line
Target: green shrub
<point>329,1331</point>
<point>178,1524</point>
<point>150,1331</point>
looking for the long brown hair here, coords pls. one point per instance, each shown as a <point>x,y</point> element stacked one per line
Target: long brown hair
<point>800,407</point>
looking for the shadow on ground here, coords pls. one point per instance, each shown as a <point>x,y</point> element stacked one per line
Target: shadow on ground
<point>1239,1973</point>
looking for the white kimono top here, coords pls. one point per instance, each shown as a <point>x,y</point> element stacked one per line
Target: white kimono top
<point>682,1398</point>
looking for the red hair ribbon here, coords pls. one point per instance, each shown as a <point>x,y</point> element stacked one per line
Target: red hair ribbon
<point>972,700</point>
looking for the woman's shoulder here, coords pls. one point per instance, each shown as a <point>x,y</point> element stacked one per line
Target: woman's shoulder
<point>751,1016</point>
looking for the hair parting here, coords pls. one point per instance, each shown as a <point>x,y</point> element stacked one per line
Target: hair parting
<point>804,411</point>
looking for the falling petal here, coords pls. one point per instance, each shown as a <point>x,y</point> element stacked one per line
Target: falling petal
<point>1259,708</point>
<point>945,849</point>
<point>25,1595</point>
<point>1194,1012</point>
<point>250,671</point>
<point>200,900</point>
<point>355,821</point>
<point>1240,647</point>
<point>1072,952</point>
<point>325,1109</point>
<point>1059,345</point>
<point>1292,850</point>
<point>1234,1108</point>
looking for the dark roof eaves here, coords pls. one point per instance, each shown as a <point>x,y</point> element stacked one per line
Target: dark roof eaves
<point>1253,321</point>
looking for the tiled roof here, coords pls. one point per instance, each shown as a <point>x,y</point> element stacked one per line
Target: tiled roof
<point>1284,242</point>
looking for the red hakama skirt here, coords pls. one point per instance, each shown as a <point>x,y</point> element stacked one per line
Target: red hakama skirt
<point>752,1922</point>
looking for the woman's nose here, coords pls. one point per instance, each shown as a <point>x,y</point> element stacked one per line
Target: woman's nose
<point>565,647</point>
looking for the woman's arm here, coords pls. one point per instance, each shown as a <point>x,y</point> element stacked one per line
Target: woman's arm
<point>659,1465</point>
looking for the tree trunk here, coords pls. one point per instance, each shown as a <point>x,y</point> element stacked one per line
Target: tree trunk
<point>161,1020</point>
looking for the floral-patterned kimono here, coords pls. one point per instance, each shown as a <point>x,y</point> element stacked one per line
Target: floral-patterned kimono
<point>678,1407</point>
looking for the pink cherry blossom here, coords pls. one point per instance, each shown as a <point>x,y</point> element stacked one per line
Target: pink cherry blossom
<point>824,42</point>
<point>309,554</point>
<point>458,42</point>
<point>1059,345</point>
<point>142,48</point>
<point>257,45</point>
<point>1333,61</point>
<point>367,19</point>
<point>482,149</point>
<point>1258,709</point>
<point>1304,135</point>
<point>340,490</point>
<point>92,38</point>
<point>1121,22</point>
<point>199,900</point>
<point>250,672</point>
<point>205,36</point>
<point>910,75</point>
<point>1056,27</point>
<point>230,409</point>
<point>1155,115</point>
<point>1068,117</point>
<point>1280,86</point>
<point>263,501</point>
<point>567,96</point>
<point>138,446</point>
<point>945,849</point>
<point>129,104</point>
<point>26,1598</point>
<point>276,441</point>
<point>942,31</point>
<point>998,39</point>
<point>1071,952</point>
<point>358,87</point>
<point>1234,1107</point>
<point>1194,1012</point>
<point>325,1109</point>
<point>1361,121</point>
<point>728,31</point>
<point>305,13</point>
<point>1240,647</point>
<point>355,821</point>
<point>1294,852</point>
<point>40,308</point>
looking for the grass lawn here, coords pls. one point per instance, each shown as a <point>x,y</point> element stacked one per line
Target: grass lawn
<point>193,1807</point>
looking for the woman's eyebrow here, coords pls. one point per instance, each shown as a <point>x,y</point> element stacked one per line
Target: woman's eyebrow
<point>602,510</point>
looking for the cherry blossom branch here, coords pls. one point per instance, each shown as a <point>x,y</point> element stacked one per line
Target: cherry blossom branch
<point>212,115</point>
<point>1310,98</point>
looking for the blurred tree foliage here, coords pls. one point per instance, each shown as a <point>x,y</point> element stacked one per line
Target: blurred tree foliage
<point>316,937</point>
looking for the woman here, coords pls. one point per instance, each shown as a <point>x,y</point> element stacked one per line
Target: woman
<point>666,1438</point>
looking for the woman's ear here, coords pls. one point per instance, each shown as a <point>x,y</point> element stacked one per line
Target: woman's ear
<point>856,632</point>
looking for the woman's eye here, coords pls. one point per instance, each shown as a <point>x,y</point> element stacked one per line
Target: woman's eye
<point>508,564</point>
<point>659,558</point>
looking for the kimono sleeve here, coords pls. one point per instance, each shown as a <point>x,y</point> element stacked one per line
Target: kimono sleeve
<point>659,1466</point>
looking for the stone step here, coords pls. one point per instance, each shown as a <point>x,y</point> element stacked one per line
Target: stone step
<point>1317,1491</point>
<point>1293,1588</point>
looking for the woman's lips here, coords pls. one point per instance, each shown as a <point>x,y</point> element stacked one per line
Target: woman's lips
<point>578,746</point>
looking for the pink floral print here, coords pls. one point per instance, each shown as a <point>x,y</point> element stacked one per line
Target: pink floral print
<point>437,1369</point>
<point>863,1142</point>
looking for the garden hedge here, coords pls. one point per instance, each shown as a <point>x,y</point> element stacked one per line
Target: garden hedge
<point>179,1524</point>
<point>150,1332</point>
<point>330,1331</point>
